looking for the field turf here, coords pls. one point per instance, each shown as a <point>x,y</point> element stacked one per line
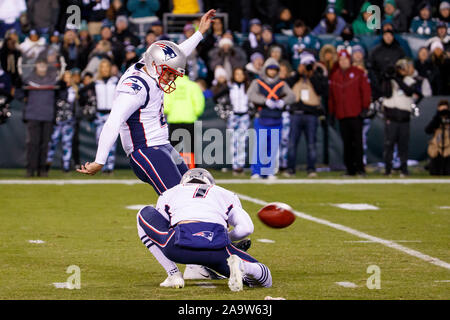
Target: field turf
<point>88,225</point>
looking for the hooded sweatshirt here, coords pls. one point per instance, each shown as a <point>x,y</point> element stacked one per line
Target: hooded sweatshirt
<point>359,25</point>
<point>274,89</point>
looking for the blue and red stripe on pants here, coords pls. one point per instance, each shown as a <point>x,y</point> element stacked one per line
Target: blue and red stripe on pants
<point>159,231</point>
<point>160,166</point>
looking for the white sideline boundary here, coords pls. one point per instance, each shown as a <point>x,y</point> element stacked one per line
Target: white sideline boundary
<point>387,243</point>
<point>341,181</point>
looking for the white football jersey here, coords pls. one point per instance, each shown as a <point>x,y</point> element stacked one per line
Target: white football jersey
<point>147,126</point>
<point>198,202</point>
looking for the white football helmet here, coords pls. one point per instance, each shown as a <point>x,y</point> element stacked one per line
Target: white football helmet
<point>197,175</point>
<point>164,58</point>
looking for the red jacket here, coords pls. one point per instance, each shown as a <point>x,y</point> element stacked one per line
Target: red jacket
<point>349,92</point>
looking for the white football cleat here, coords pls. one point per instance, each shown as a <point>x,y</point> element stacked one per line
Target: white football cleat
<point>174,281</point>
<point>236,273</point>
<point>197,272</point>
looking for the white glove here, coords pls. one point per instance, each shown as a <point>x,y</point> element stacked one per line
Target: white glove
<point>280,104</point>
<point>271,104</point>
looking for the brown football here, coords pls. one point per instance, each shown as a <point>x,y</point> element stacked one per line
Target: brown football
<point>276,215</point>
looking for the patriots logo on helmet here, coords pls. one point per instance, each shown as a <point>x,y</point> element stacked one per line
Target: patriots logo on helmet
<point>168,51</point>
<point>205,234</point>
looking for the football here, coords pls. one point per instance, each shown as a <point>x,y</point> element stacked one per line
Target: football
<point>276,215</point>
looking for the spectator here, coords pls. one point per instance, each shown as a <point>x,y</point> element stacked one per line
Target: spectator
<point>9,57</point>
<point>424,66</point>
<point>220,82</point>
<point>143,13</point>
<point>255,65</point>
<point>43,15</point>
<point>228,56</point>
<point>71,49</point>
<point>87,98</point>
<point>211,40</point>
<point>158,29</point>
<point>439,145</point>
<point>254,42</point>
<point>196,66</point>
<point>130,58</point>
<point>444,14</point>
<point>63,129</point>
<point>301,40</point>
<point>270,95</point>
<point>308,90</point>
<point>422,84</point>
<point>359,62</point>
<point>10,12</point>
<point>38,115</point>
<point>185,7</point>
<point>105,86</point>
<point>276,52</point>
<point>387,25</point>
<point>86,46</point>
<point>398,90</point>
<point>285,74</point>
<point>6,95</point>
<point>385,54</point>
<point>330,24</point>
<point>441,61</point>
<point>122,32</point>
<point>183,107</point>
<point>361,25</point>
<point>31,49</point>
<point>102,51</point>
<point>347,39</point>
<point>116,9</point>
<point>238,120</point>
<point>393,14</point>
<point>268,39</point>
<point>328,57</point>
<point>349,95</point>
<point>423,24</point>
<point>441,35</point>
<point>96,13</point>
<point>149,39</point>
<point>284,24</point>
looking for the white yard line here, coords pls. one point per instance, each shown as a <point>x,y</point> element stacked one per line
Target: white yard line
<point>387,243</point>
<point>230,181</point>
<point>347,284</point>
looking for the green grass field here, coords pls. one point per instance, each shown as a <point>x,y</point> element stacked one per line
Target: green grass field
<point>89,226</point>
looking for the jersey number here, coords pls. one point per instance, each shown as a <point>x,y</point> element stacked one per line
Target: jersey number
<point>201,191</point>
<point>162,118</point>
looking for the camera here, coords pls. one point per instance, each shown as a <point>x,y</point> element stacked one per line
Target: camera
<point>309,66</point>
<point>5,114</point>
<point>444,115</point>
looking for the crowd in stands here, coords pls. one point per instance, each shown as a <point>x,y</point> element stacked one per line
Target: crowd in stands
<point>294,85</point>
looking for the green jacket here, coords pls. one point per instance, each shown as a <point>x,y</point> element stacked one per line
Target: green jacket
<point>359,25</point>
<point>186,103</point>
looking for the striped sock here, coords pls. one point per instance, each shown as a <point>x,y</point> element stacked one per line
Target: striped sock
<point>168,265</point>
<point>257,274</point>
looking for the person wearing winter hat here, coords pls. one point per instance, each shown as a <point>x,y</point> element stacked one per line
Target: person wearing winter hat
<point>349,94</point>
<point>423,24</point>
<point>270,95</point>
<point>393,13</point>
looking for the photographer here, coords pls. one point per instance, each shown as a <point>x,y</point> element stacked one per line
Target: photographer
<point>439,145</point>
<point>311,85</point>
<point>400,94</point>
